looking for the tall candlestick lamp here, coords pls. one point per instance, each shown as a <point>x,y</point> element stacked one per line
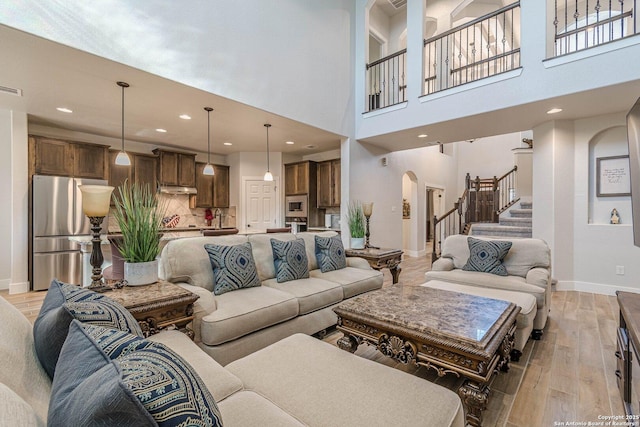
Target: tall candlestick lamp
<point>95,205</point>
<point>367,209</point>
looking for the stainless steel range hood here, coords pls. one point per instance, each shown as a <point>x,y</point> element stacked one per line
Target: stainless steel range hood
<point>172,189</point>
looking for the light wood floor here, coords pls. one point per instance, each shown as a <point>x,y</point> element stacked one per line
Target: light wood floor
<point>566,376</point>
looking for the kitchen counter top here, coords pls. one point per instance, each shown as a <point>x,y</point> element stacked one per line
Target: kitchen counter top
<point>337,230</point>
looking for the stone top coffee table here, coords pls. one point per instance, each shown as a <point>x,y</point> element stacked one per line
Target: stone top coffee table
<point>453,333</point>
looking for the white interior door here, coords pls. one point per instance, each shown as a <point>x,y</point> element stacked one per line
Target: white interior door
<point>260,203</point>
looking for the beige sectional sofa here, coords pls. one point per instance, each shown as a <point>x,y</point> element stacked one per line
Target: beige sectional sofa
<point>528,265</point>
<point>234,324</point>
<point>299,381</point>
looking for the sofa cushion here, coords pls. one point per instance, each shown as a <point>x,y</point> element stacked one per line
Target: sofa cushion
<point>65,302</point>
<point>354,280</point>
<point>474,278</point>
<point>486,256</point>
<point>290,260</point>
<point>233,267</point>
<point>312,293</point>
<point>309,238</point>
<point>15,411</point>
<point>21,370</point>
<point>247,408</point>
<point>298,371</point>
<point>330,253</point>
<point>140,383</point>
<point>244,311</point>
<point>185,260</point>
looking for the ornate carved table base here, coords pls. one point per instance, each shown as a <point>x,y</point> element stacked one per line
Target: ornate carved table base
<point>379,258</point>
<point>416,334</point>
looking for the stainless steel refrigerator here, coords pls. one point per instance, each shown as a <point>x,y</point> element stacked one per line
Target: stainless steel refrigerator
<point>57,215</point>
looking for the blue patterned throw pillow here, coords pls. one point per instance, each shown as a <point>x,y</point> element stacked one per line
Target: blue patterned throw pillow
<point>233,267</point>
<point>330,253</point>
<point>62,304</point>
<point>290,260</point>
<point>486,256</point>
<point>111,378</point>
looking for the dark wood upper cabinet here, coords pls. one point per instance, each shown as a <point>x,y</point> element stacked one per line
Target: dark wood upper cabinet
<point>145,169</point>
<point>296,178</point>
<point>213,191</point>
<point>49,156</point>
<point>221,186</point>
<point>329,184</point>
<point>176,168</point>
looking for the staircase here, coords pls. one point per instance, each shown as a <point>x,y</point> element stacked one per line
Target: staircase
<point>514,222</point>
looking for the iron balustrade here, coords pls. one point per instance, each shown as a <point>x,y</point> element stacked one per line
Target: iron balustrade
<point>484,47</point>
<point>583,24</point>
<point>386,81</point>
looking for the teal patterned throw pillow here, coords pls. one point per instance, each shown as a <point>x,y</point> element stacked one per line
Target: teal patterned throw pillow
<point>290,260</point>
<point>486,256</point>
<point>330,253</point>
<point>233,267</point>
<point>108,377</point>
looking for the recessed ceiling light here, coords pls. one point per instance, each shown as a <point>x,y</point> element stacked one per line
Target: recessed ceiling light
<point>423,135</point>
<point>161,130</point>
<point>64,110</point>
<point>289,142</point>
<point>185,117</point>
<point>227,143</point>
<point>554,110</point>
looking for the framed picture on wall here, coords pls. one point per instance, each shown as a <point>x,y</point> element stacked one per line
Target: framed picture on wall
<point>612,176</point>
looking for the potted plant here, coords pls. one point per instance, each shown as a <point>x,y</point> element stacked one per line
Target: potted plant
<point>139,214</point>
<point>355,220</point>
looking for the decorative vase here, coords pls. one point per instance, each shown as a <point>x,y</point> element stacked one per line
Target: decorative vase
<point>357,243</point>
<point>141,273</point>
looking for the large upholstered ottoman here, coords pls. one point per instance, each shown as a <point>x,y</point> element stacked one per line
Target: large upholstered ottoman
<point>321,385</point>
<point>526,302</point>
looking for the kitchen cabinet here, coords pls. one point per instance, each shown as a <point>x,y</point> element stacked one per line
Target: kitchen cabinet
<point>297,176</point>
<point>329,184</point>
<point>49,156</point>
<point>175,168</point>
<point>213,191</point>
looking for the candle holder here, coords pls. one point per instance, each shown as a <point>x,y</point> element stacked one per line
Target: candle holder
<point>95,205</point>
<point>367,209</point>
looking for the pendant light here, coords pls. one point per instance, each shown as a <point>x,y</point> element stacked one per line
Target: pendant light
<point>208,169</point>
<point>122,158</point>
<point>267,174</point>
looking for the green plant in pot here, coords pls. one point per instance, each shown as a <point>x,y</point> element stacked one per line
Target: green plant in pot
<point>139,213</point>
<point>356,223</point>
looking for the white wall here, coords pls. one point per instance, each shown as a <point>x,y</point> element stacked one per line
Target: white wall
<point>5,194</point>
<point>268,54</point>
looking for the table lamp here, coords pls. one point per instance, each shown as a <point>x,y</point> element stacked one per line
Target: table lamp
<point>367,210</point>
<point>95,205</point>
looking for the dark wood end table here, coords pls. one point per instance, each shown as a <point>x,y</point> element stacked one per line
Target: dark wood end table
<point>379,258</point>
<point>450,332</point>
<point>157,306</point>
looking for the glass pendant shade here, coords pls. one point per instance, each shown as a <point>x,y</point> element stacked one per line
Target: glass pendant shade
<point>95,199</point>
<point>367,208</point>
<point>122,159</point>
<point>268,176</point>
<point>208,170</point>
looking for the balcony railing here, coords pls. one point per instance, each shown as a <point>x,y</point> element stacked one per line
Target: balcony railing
<point>583,24</point>
<point>386,81</point>
<point>484,47</point>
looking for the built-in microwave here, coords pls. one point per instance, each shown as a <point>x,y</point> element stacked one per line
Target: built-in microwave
<point>296,206</point>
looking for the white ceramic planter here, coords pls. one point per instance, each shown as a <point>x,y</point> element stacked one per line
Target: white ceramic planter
<point>357,243</point>
<point>141,273</point>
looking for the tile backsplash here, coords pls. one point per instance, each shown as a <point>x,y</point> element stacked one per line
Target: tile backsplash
<point>179,204</point>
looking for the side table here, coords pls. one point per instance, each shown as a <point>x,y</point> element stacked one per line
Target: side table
<point>157,306</point>
<point>380,258</point>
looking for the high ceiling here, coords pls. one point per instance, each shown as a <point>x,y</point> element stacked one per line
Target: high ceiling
<point>51,75</point>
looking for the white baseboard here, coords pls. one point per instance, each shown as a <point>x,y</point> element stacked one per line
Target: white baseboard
<point>415,254</point>
<point>594,288</point>
<point>18,288</point>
